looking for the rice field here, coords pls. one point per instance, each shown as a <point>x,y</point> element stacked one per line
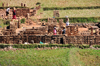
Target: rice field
<point>54,3</point>
<point>73,13</point>
<point>55,57</point>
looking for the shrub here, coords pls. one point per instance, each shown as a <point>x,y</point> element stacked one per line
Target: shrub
<point>6,22</point>
<point>23,20</point>
<point>38,3</point>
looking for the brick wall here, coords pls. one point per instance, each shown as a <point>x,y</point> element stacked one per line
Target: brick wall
<point>59,39</point>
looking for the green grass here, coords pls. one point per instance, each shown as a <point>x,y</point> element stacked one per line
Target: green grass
<point>2,23</point>
<point>54,3</point>
<point>31,57</point>
<point>89,57</point>
<point>73,13</point>
<point>56,57</point>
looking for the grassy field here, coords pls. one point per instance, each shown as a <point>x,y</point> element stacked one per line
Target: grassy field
<point>73,13</point>
<point>54,3</point>
<point>57,57</point>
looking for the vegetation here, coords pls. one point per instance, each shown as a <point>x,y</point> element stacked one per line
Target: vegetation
<point>4,23</point>
<point>22,20</point>
<point>77,19</point>
<point>45,45</point>
<point>54,3</point>
<point>56,57</point>
<point>31,57</point>
<point>67,8</point>
<point>74,13</point>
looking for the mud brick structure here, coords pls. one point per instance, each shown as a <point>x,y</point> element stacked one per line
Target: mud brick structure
<point>38,7</point>
<point>59,39</point>
<point>7,5</point>
<point>36,31</point>
<point>3,4</point>
<point>21,4</point>
<point>22,12</point>
<point>71,30</point>
<point>61,23</point>
<point>24,5</point>
<point>56,13</point>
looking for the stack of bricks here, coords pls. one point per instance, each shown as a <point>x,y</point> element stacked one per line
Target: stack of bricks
<point>38,7</point>
<point>22,12</point>
<point>85,39</point>
<point>79,39</point>
<point>71,40</point>
<point>71,30</point>
<point>21,4</point>
<point>37,31</point>
<point>47,39</point>
<point>9,32</point>
<point>97,40</point>
<point>34,12</point>
<point>3,4</point>
<point>1,39</point>
<point>61,24</point>
<point>85,33</point>
<point>91,39</point>
<point>56,13</point>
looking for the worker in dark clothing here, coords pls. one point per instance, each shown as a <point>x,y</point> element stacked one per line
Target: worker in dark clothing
<point>64,30</point>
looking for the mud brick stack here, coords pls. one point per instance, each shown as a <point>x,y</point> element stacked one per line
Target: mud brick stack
<point>61,22</point>
<point>91,31</point>
<point>51,28</point>
<point>47,38</point>
<point>54,37</point>
<point>85,33</point>
<point>6,39</point>
<point>16,39</point>
<point>24,5</point>
<point>56,13</point>
<point>36,31</point>
<point>7,5</point>
<point>3,4</point>
<point>76,30</point>
<point>38,7</point>
<point>85,39</point>
<point>79,39</point>
<point>64,40</point>
<point>50,20</point>
<point>25,11</point>
<point>24,38</point>
<point>71,30</point>
<point>91,39</point>
<point>21,4</point>
<point>1,39</point>
<point>11,41</point>
<point>19,12</point>
<point>34,12</point>
<point>9,32</point>
<point>66,37</point>
<point>71,40</point>
<point>97,39</point>
<point>22,12</point>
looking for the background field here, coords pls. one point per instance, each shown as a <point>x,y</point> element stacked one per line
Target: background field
<point>73,13</point>
<point>56,57</point>
<point>54,3</point>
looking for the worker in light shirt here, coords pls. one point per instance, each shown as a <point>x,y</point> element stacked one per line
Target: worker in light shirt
<point>67,21</point>
<point>7,11</point>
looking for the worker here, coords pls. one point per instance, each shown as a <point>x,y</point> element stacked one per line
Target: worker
<point>64,30</point>
<point>14,13</point>
<point>54,31</point>
<point>7,11</point>
<point>67,21</point>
